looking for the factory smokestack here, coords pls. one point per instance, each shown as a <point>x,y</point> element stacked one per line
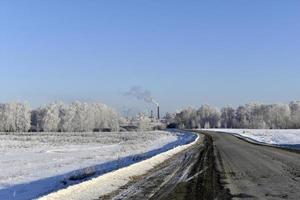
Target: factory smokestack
<point>144,95</point>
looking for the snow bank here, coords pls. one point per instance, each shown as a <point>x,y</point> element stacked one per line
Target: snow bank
<point>36,164</point>
<point>267,136</point>
<point>110,182</point>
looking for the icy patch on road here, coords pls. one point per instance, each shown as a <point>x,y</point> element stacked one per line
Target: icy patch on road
<point>110,182</point>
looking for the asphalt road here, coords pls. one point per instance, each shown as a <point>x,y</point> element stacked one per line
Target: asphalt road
<point>221,167</point>
<point>189,175</point>
<point>252,171</point>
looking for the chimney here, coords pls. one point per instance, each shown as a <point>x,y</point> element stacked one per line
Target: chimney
<point>158,114</point>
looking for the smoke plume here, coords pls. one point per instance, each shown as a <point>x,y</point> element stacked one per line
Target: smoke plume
<point>141,94</point>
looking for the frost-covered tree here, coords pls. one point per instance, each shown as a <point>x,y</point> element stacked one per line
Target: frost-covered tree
<point>295,114</point>
<point>227,117</point>
<point>209,115</point>
<point>187,118</point>
<point>280,115</point>
<point>82,117</point>
<point>170,118</point>
<point>22,117</point>
<point>2,117</point>
<point>242,117</point>
<point>77,117</point>
<point>252,115</point>
<point>49,117</point>
<point>206,116</point>
<point>105,117</point>
<point>144,123</point>
<point>15,117</point>
<point>74,117</point>
<point>256,115</point>
<point>7,118</point>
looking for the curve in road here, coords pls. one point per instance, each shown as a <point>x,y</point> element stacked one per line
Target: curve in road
<point>222,167</point>
<point>255,171</point>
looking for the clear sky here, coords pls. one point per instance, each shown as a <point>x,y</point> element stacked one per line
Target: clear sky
<point>187,52</point>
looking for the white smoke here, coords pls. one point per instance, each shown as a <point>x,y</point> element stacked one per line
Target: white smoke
<point>141,94</point>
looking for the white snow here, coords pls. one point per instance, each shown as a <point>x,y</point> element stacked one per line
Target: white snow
<point>268,136</point>
<point>35,164</point>
<point>110,182</point>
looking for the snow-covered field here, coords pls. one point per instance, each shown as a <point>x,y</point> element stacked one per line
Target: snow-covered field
<point>103,185</point>
<point>267,136</point>
<point>34,164</point>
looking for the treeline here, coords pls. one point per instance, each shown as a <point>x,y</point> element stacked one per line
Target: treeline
<point>14,117</point>
<point>58,117</point>
<point>252,116</point>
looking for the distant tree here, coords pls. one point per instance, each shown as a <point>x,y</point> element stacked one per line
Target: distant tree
<point>242,117</point>
<point>77,117</point>
<point>208,114</point>
<point>170,118</point>
<point>295,114</point>
<point>192,118</point>
<point>227,117</point>
<point>280,116</point>
<point>185,118</point>
<point>252,115</point>
<point>207,125</point>
<point>49,117</point>
<point>15,117</point>
<point>22,117</point>
<point>256,115</point>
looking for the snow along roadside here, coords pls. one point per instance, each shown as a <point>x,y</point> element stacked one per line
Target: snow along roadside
<point>266,136</point>
<point>112,181</point>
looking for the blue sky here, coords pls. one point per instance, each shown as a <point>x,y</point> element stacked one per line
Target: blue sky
<point>184,52</point>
